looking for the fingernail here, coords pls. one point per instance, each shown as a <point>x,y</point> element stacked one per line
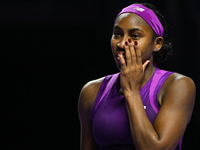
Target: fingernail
<point>136,43</point>
<point>126,43</point>
<point>119,53</point>
<point>129,40</point>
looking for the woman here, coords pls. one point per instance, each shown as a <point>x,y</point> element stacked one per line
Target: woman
<point>142,107</point>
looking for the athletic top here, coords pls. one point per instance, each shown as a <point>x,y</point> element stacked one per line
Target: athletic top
<point>109,113</point>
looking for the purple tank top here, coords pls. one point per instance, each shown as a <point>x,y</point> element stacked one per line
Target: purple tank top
<point>109,113</point>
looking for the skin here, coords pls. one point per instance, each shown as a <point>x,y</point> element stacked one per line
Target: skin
<point>135,62</point>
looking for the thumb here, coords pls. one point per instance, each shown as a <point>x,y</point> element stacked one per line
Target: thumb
<point>145,64</point>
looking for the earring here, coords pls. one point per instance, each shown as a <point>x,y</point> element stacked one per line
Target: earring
<point>156,49</point>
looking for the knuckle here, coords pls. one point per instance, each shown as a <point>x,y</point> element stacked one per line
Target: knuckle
<point>128,57</point>
<point>122,65</point>
<point>140,69</point>
<point>139,55</point>
<point>124,72</point>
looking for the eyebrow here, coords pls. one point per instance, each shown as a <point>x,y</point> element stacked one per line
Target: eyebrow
<point>131,30</point>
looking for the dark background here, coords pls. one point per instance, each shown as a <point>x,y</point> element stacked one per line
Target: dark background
<point>50,49</point>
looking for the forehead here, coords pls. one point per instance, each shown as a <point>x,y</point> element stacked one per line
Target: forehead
<point>131,20</point>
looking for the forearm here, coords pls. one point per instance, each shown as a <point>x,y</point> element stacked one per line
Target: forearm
<point>143,133</point>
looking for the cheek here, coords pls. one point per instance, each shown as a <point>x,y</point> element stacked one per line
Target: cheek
<point>146,51</point>
<point>113,44</point>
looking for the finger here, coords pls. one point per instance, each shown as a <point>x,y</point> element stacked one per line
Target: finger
<point>122,60</point>
<point>138,54</point>
<point>145,64</point>
<point>127,54</point>
<point>132,51</point>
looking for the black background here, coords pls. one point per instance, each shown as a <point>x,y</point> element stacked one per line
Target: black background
<point>50,49</point>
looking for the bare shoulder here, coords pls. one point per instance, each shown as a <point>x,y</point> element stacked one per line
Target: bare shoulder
<point>178,85</point>
<point>181,81</point>
<point>86,100</point>
<point>88,94</point>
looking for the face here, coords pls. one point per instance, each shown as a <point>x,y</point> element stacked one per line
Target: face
<point>130,25</point>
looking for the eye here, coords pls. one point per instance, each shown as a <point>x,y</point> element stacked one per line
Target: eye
<point>116,33</point>
<point>135,36</point>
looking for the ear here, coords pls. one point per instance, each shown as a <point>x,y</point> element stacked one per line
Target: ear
<point>158,42</point>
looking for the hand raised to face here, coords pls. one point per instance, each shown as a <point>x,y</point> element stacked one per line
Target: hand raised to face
<point>132,69</point>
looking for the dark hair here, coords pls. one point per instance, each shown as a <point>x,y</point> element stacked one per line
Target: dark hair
<point>166,49</point>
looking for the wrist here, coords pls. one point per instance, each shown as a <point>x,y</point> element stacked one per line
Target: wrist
<point>134,93</point>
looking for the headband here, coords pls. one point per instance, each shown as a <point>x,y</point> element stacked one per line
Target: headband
<point>147,14</point>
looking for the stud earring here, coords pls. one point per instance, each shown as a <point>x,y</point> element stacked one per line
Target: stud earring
<point>156,49</point>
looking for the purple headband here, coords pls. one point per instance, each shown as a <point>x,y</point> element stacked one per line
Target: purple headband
<point>147,14</point>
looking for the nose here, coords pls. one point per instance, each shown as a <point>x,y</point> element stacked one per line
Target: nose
<point>121,43</point>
